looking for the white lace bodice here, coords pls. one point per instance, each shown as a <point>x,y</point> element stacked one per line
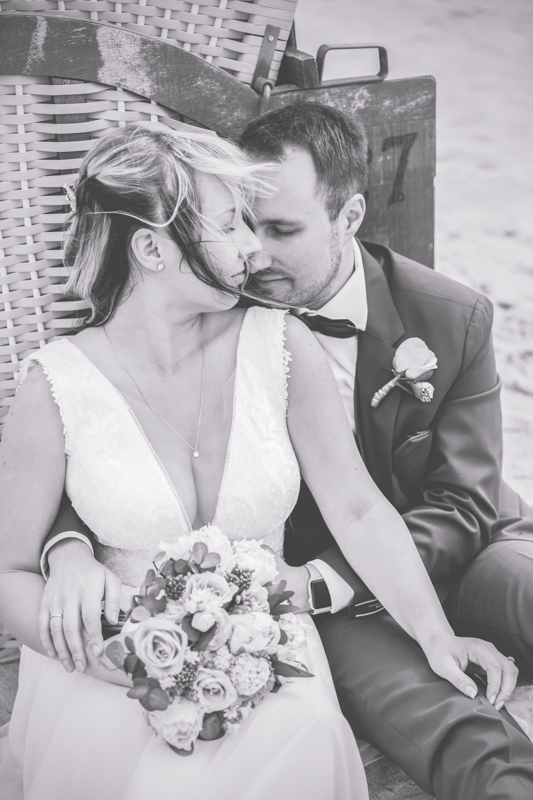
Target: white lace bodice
<point>118,485</point>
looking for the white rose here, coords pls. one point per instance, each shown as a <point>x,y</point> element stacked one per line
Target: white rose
<point>160,644</point>
<point>210,582</point>
<point>203,620</point>
<point>414,359</point>
<point>215,690</point>
<point>179,724</point>
<point>250,555</point>
<point>200,600</point>
<point>255,632</point>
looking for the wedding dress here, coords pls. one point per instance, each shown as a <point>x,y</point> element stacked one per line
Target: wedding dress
<point>73,737</point>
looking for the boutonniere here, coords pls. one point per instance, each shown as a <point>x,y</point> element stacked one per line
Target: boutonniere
<point>412,365</point>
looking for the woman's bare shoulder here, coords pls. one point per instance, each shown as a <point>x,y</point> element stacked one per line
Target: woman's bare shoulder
<point>34,415</point>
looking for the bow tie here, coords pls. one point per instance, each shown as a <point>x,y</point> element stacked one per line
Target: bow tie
<point>338,328</point>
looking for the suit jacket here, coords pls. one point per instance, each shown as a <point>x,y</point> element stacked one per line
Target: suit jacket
<point>438,463</point>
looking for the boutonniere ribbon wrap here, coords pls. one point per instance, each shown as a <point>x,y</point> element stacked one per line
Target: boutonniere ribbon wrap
<point>412,365</point>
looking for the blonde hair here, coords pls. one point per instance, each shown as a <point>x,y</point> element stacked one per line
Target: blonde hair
<point>145,175</point>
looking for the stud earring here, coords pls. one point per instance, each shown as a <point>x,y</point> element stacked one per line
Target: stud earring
<point>160,267</point>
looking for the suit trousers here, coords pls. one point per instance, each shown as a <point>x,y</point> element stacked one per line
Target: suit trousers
<point>453,747</point>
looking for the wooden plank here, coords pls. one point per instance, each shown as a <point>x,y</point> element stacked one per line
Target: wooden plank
<point>78,49</point>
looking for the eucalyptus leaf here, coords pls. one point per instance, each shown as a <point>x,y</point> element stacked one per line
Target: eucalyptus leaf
<point>211,561</point>
<point>203,640</point>
<point>199,552</point>
<point>138,692</point>
<point>181,567</point>
<point>139,614</point>
<point>181,752</point>
<point>130,662</point>
<point>213,727</point>
<point>155,700</point>
<point>289,670</point>
<point>116,653</point>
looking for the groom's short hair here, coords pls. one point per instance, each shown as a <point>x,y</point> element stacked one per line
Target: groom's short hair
<point>336,143</point>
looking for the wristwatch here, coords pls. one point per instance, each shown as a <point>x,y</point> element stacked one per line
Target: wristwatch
<point>318,592</point>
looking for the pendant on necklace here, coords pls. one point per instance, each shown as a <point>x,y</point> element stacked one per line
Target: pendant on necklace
<point>196,454</point>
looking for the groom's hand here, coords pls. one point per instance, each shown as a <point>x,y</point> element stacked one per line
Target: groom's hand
<point>297,579</point>
<point>71,608</point>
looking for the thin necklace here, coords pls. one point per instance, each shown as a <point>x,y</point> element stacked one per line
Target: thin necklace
<point>172,428</point>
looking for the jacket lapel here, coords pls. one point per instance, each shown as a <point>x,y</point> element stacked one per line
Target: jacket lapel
<point>376,349</point>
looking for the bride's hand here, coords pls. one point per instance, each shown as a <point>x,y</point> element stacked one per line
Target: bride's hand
<point>450,655</point>
<point>76,588</point>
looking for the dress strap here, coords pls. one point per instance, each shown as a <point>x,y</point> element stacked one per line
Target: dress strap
<point>268,358</point>
<point>51,359</point>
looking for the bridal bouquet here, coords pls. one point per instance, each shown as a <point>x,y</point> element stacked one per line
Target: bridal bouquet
<point>210,635</point>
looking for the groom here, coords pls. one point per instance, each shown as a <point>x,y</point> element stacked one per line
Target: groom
<point>437,462</point>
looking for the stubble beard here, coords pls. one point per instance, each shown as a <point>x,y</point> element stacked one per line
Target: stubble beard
<point>319,293</point>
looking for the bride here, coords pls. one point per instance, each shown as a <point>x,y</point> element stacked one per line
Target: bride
<point>171,409</point>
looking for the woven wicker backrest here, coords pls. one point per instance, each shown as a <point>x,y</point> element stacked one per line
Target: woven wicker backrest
<point>46,127</point>
<point>227,33</point>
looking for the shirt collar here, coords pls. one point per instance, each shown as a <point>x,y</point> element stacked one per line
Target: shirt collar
<point>351,301</point>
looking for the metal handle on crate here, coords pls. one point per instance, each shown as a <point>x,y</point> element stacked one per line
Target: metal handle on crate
<point>380,76</point>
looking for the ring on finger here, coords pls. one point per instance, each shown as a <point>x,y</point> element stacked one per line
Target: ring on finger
<point>56,615</point>
<point>510,658</point>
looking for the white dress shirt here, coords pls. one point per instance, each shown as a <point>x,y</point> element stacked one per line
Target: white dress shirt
<point>349,303</point>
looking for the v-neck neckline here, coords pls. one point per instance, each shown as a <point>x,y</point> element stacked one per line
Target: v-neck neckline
<point>163,470</point>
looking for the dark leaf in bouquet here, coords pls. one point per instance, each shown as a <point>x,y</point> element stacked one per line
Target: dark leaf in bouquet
<point>181,567</point>
<point>144,680</point>
<point>283,608</point>
<point>160,605</point>
<point>153,590</point>
<point>140,613</point>
<point>116,653</point>
<point>160,581</point>
<point>147,602</point>
<point>128,641</point>
<point>130,662</point>
<point>149,579</point>
<point>210,562</point>
<point>213,727</point>
<point>139,671</point>
<point>199,552</point>
<point>167,569</point>
<point>275,689</point>
<point>289,670</point>
<point>283,638</point>
<point>192,634</point>
<point>181,752</point>
<point>276,588</point>
<point>138,691</point>
<point>155,700</point>
<point>204,639</point>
